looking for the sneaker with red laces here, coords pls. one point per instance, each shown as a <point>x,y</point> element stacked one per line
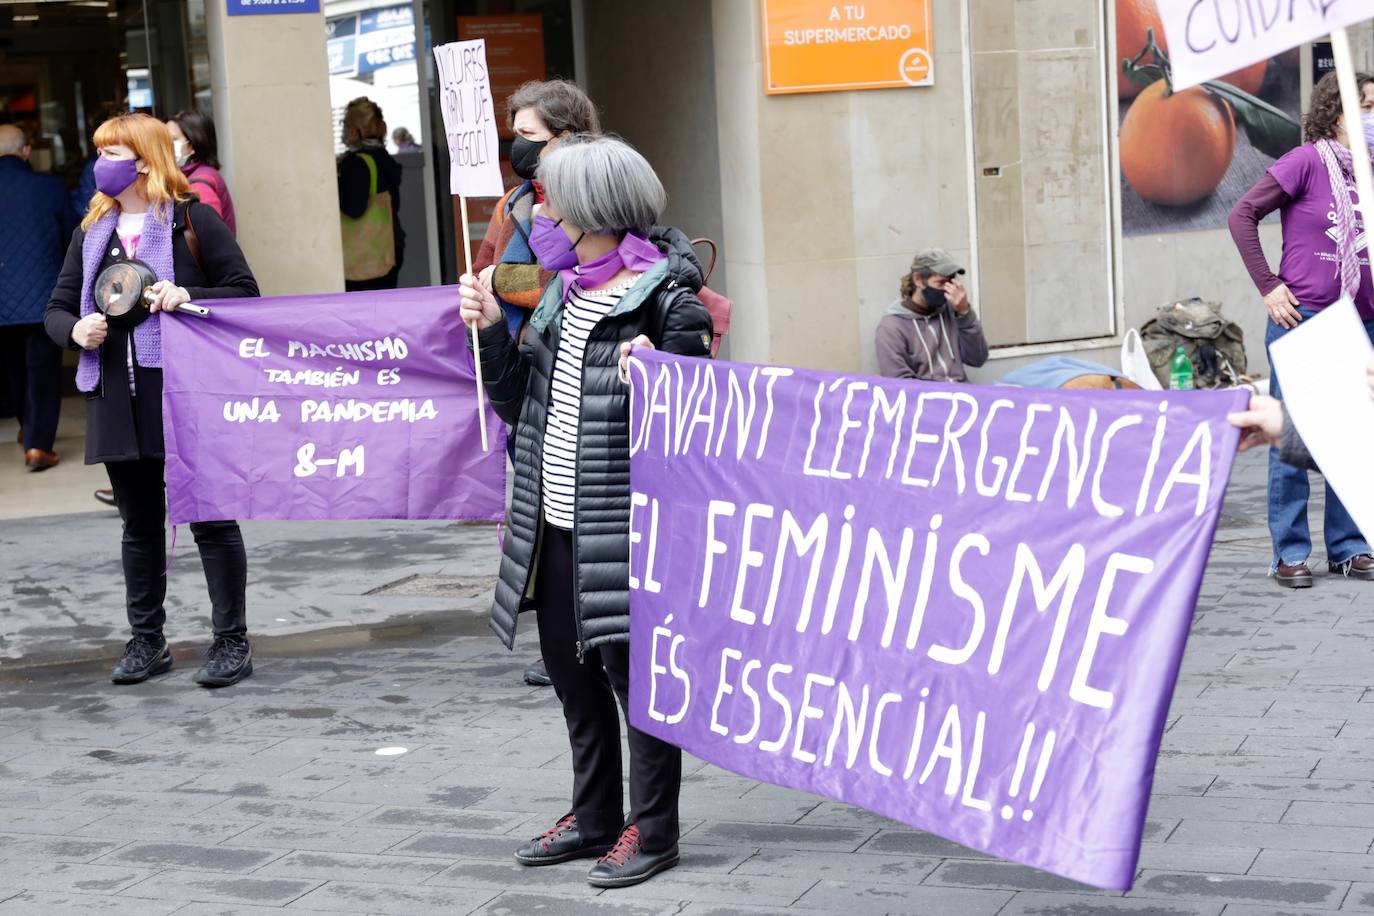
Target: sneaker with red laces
<point>627,863</point>
<point>560,843</point>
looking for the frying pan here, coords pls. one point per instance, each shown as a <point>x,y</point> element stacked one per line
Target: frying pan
<point>122,292</point>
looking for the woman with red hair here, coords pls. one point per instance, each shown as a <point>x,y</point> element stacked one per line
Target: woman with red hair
<point>143,212</point>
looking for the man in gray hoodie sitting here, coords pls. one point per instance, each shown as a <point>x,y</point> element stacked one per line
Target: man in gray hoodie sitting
<point>931,332</point>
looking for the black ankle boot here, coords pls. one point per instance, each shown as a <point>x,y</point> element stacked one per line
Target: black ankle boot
<point>144,657</point>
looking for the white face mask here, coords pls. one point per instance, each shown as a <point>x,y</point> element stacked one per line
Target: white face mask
<point>179,150</point>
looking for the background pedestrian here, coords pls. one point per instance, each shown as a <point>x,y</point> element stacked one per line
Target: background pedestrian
<point>197,152</point>
<point>540,113</point>
<point>370,200</point>
<point>36,219</point>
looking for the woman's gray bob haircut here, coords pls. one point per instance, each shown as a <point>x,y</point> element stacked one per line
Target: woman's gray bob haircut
<point>602,184</point>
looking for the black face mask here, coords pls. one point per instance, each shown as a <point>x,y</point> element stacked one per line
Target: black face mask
<point>935,299</point>
<point>524,156</point>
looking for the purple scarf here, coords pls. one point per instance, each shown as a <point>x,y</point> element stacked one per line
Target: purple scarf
<point>635,253</point>
<point>1340,163</point>
<point>155,250</point>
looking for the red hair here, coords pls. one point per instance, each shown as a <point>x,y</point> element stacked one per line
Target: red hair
<point>152,143</point>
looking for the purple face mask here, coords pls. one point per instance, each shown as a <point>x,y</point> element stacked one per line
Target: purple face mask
<point>551,244</point>
<point>113,176</point>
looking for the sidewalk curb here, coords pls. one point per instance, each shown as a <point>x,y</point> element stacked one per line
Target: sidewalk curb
<point>351,636</point>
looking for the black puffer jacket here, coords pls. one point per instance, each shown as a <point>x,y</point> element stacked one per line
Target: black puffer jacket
<point>663,305</point>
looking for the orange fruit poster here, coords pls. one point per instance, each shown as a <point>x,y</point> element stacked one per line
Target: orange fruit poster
<point>1188,155</point>
<point>811,46</point>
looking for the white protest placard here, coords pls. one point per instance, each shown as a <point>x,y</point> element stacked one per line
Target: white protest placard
<point>1210,38</point>
<point>469,119</point>
<point>1323,364</point>
<point>474,159</point>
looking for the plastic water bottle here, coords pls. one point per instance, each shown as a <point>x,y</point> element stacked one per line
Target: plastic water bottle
<point>1180,371</point>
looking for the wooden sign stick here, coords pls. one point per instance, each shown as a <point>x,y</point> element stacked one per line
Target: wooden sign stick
<point>1354,126</point>
<point>476,347</point>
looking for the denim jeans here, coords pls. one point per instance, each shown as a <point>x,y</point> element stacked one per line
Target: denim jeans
<point>1289,488</point>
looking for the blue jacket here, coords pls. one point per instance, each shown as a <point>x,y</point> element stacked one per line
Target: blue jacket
<point>36,221</point>
<point>1055,372</point>
<point>85,188</point>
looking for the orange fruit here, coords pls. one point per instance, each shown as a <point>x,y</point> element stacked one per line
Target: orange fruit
<point>1248,79</point>
<point>1175,149</point>
<point>1133,18</point>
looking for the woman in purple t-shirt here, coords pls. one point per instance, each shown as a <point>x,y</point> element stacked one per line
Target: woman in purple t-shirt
<point>1324,258</point>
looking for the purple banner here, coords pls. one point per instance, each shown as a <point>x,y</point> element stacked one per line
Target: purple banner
<point>962,607</point>
<point>355,405</point>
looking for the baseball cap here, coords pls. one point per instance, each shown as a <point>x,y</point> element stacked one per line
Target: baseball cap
<point>936,260</point>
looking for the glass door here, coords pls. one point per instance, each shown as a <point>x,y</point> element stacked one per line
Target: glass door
<point>66,66</point>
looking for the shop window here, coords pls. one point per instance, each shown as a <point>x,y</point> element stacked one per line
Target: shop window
<point>1041,170</point>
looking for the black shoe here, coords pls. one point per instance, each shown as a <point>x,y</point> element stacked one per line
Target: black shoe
<point>228,661</point>
<point>105,496</point>
<point>144,657</point>
<point>628,864</point>
<point>1293,575</point>
<point>562,843</point>
<point>537,675</point>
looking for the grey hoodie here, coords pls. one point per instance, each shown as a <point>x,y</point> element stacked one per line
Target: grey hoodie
<point>935,348</point>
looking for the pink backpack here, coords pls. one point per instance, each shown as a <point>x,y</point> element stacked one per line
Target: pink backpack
<point>719,306</point>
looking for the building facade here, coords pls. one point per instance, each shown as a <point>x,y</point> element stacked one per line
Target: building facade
<point>1009,154</point>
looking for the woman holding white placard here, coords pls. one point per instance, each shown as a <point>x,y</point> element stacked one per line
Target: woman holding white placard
<point>620,281</point>
<point>1325,258</point>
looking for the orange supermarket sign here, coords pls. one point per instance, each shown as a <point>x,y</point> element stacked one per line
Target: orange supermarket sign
<point>811,46</point>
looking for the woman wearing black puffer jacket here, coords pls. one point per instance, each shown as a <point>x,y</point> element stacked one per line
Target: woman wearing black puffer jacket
<point>621,283</point>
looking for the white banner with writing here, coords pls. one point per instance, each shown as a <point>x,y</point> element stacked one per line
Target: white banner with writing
<point>469,119</point>
<point>1210,38</point>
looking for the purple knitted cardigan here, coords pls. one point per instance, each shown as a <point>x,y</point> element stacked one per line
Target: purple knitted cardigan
<point>155,250</point>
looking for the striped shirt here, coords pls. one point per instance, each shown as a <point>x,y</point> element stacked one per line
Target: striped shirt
<point>559,477</point>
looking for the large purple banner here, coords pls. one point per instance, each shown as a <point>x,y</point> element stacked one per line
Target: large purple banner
<point>356,405</point>
<point>962,607</point>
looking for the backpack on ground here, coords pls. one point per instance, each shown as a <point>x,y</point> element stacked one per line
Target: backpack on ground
<point>1215,344</point>
<point>369,241</point>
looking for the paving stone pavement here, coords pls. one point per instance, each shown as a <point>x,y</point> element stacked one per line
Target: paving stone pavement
<point>270,797</point>
<point>62,592</point>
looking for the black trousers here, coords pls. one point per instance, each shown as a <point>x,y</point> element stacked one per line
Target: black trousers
<point>140,496</point>
<point>33,368</point>
<point>588,691</point>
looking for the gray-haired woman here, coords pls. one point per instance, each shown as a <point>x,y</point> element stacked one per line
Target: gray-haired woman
<point>540,112</point>
<point>620,282</point>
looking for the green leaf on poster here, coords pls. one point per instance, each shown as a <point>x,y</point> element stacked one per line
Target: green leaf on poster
<point>1142,76</point>
<point>1270,130</point>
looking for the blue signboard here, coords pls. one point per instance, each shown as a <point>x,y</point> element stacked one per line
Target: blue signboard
<point>340,27</point>
<point>260,7</point>
<point>371,40</point>
<point>398,49</point>
<point>378,58</point>
<point>343,56</point>
<point>391,17</point>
